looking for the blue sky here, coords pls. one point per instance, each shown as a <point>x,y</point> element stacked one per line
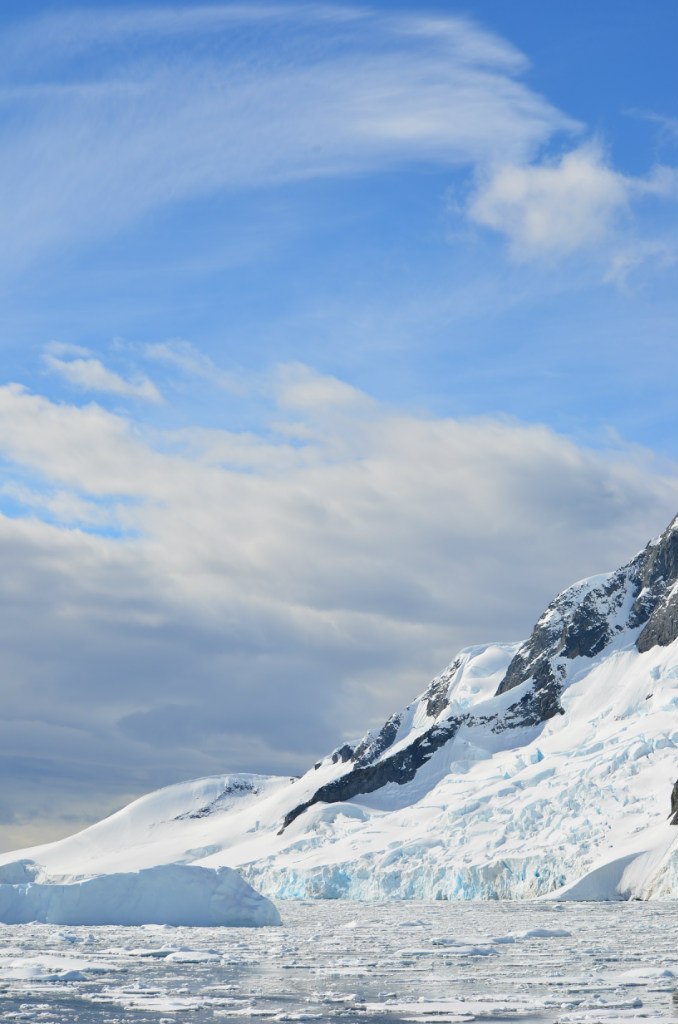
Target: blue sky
<point>334,337</point>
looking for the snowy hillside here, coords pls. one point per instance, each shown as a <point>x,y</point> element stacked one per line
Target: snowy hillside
<point>523,770</point>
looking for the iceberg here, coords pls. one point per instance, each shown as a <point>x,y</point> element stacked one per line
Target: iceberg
<point>171,894</point>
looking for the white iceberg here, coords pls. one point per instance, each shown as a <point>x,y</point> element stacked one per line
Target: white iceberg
<point>173,894</point>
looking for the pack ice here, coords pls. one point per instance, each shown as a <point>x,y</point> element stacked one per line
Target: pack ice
<point>539,769</point>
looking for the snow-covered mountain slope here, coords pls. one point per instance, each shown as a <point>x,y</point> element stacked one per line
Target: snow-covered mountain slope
<point>523,770</point>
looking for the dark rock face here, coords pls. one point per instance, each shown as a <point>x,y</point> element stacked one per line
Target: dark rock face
<point>373,745</point>
<point>662,626</point>
<point>674,804</point>
<point>577,624</point>
<point>584,620</point>
<point>344,754</point>
<point>538,705</point>
<point>659,574</point>
<point>436,695</point>
<point>399,768</point>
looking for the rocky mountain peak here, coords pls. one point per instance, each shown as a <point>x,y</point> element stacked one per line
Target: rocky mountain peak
<point>590,616</point>
<point>636,604</point>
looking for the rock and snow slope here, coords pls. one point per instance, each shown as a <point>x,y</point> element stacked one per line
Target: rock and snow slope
<point>523,770</point>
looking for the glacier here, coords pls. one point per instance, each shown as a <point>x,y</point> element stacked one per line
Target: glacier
<point>535,770</point>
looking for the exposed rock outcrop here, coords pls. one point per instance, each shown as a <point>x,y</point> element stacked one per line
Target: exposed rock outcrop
<point>659,578</point>
<point>587,617</point>
<point>399,768</point>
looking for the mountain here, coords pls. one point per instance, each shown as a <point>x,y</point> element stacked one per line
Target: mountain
<point>546,767</point>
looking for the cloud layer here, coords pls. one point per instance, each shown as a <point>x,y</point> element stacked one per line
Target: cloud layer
<point>182,602</point>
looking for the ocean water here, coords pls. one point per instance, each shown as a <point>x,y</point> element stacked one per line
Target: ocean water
<point>429,963</point>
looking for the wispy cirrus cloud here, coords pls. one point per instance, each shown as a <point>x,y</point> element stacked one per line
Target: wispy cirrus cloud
<point>50,38</point>
<point>91,148</point>
<point>668,126</point>
<point>189,360</point>
<point>100,134</point>
<point>643,253</point>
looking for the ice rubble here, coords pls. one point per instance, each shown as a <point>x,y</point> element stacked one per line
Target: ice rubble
<point>173,894</point>
<point>540,769</point>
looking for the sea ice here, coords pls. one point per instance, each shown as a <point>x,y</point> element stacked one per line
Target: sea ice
<point>618,963</point>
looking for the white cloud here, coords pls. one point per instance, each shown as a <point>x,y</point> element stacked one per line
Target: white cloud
<point>280,594</point>
<point>301,389</point>
<point>90,374</point>
<point>558,207</point>
<point>65,348</point>
<point>64,506</point>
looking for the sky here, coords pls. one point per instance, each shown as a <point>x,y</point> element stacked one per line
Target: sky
<point>334,338</point>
